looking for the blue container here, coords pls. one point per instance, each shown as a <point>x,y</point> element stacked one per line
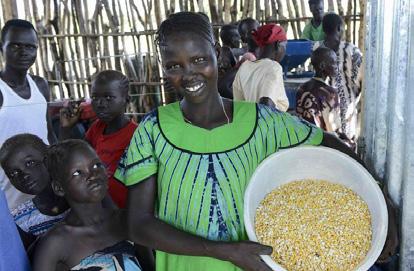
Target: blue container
<point>297,52</point>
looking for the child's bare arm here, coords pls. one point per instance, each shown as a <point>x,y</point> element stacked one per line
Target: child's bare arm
<point>47,253</point>
<point>69,116</point>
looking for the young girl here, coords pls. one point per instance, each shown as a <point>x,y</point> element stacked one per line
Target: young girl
<point>189,162</point>
<point>110,134</point>
<point>22,158</point>
<point>90,237</point>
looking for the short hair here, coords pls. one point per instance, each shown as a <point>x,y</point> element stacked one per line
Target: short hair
<point>107,76</point>
<point>19,141</point>
<point>225,31</point>
<point>330,23</point>
<point>246,21</point>
<point>319,55</point>
<point>310,2</point>
<point>185,22</point>
<point>58,155</point>
<point>16,23</point>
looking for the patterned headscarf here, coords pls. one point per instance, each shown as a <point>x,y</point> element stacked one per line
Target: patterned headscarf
<point>268,34</point>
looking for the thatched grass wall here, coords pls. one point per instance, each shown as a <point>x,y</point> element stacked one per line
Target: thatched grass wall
<point>78,38</point>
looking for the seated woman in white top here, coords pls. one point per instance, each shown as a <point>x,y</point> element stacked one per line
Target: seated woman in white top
<point>261,81</point>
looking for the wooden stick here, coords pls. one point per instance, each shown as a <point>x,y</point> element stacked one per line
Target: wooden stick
<point>289,8</point>
<point>331,7</point>
<point>200,4</point>
<point>220,11</point>
<point>303,7</point>
<point>192,7</point>
<point>213,11</point>
<point>297,14</point>
<point>233,11</point>
<point>267,10</point>
<point>157,10</point>
<point>258,10</point>
<point>227,16</point>
<point>340,8</point>
<point>250,8</point>
<point>348,22</point>
<point>245,8</point>
<point>274,10</point>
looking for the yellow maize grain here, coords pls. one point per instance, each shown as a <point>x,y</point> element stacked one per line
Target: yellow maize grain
<point>315,225</point>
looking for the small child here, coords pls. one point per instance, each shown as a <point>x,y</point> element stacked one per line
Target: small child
<point>316,101</point>
<point>313,30</point>
<point>111,133</point>
<point>246,28</point>
<point>22,157</point>
<point>90,237</point>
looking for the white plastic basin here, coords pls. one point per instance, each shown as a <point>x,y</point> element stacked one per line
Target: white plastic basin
<point>317,163</point>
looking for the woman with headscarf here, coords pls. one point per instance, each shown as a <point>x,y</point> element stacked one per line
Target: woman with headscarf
<point>261,81</point>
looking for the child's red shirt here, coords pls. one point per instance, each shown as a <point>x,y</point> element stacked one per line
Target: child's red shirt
<point>110,149</point>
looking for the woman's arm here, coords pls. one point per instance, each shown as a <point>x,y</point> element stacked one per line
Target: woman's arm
<point>332,141</point>
<point>145,229</point>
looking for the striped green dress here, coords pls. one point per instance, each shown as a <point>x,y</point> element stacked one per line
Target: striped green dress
<point>202,174</point>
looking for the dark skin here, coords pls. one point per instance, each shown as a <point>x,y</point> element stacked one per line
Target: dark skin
<point>226,72</point>
<point>190,62</point>
<point>333,40</point>
<point>316,8</point>
<point>325,66</point>
<point>27,172</point>
<point>19,49</point>
<point>232,39</point>
<point>88,227</point>
<point>246,34</point>
<point>109,103</point>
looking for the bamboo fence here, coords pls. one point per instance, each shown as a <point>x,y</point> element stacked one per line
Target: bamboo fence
<point>78,38</point>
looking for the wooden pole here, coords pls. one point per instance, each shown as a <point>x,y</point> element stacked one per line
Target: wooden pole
<point>220,11</point>
<point>200,4</point>
<point>340,8</point>
<point>303,7</point>
<point>348,22</point>
<point>9,9</point>
<point>331,7</point>
<point>227,7</point>
<point>258,9</point>
<point>213,11</point>
<point>297,14</point>
<point>233,11</point>
<point>267,10</point>
<point>289,8</point>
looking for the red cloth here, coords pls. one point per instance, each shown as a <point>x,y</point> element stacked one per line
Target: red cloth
<point>110,149</point>
<point>268,34</point>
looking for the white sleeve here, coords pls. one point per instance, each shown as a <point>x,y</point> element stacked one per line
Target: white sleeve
<point>237,88</point>
<point>274,88</point>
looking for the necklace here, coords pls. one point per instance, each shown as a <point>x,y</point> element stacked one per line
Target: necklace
<point>222,107</point>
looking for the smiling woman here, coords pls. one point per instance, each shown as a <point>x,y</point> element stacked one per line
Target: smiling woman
<point>188,163</point>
